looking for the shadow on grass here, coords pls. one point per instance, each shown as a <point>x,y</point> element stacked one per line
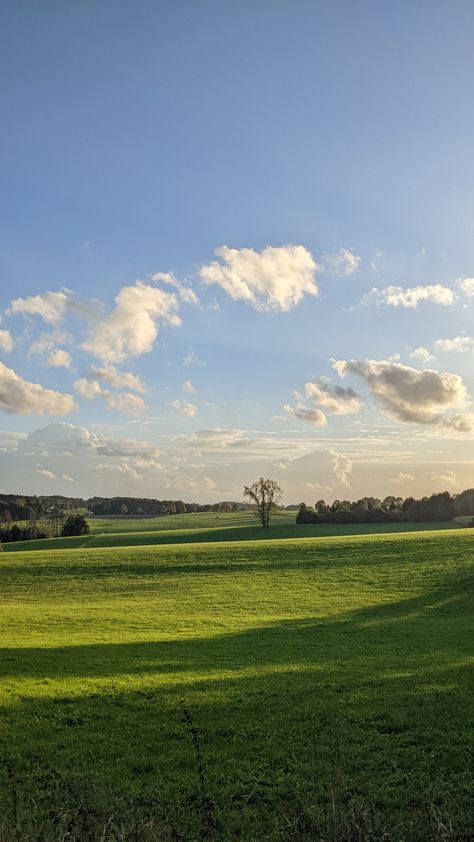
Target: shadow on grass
<point>353,727</point>
<point>193,535</point>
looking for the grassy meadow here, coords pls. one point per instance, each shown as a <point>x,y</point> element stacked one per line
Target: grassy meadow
<point>310,689</point>
<point>209,527</point>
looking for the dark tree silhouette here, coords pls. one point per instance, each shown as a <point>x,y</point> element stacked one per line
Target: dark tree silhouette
<point>75,525</point>
<point>264,495</point>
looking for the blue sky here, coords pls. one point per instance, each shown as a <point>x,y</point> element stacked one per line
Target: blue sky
<point>329,147</point>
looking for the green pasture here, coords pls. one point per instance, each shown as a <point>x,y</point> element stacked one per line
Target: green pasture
<point>207,527</point>
<point>310,689</point>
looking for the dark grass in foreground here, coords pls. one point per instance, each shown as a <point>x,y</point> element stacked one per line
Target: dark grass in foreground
<point>271,690</point>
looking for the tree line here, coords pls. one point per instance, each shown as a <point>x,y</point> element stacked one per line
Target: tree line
<point>14,507</point>
<point>149,506</point>
<point>442,506</point>
<point>22,507</point>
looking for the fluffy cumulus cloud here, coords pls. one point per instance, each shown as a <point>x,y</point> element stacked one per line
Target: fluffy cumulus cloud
<point>6,341</point>
<point>60,358</point>
<point>52,457</point>
<point>189,388</point>
<point>50,306</point>
<point>185,408</point>
<point>343,262</point>
<point>125,402</point>
<point>335,399</point>
<point>405,393</point>
<point>272,279</point>
<point>118,379</point>
<point>342,467</point>
<point>24,398</point>
<point>458,343</point>
<point>314,416</point>
<point>422,353</point>
<point>467,286</point>
<point>214,464</point>
<point>410,297</point>
<point>132,327</point>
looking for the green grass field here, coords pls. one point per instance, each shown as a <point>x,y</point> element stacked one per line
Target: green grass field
<point>310,689</point>
<point>208,526</point>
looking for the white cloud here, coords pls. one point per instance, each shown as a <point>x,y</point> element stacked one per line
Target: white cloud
<point>6,341</point>
<point>410,297</point>
<point>445,476</point>
<point>188,387</point>
<point>467,286</point>
<point>335,399</point>
<point>109,374</point>
<point>132,327</point>
<point>342,467</point>
<point>185,407</point>
<point>188,295</point>
<point>24,398</point>
<point>463,422</point>
<point>406,393</point>
<point>46,474</point>
<point>215,439</point>
<point>272,279</point>
<point>177,465</point>
<point>304,413</point>
<point>422,354</point>
<point>48,342</point>
<point>88,389</point>
<point>59,358</point>
<point>402,478</point>
<point>459,343</point>
<point>185,293</point>
<point>50,306</point>
<point>343,262</point>
<point>124,402</point>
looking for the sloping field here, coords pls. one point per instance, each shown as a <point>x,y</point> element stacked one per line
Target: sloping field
<point>209,526</point>
<point>264,690</point>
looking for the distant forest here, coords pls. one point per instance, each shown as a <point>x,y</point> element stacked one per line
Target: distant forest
<point>438,507</point>
<point>15,507</point>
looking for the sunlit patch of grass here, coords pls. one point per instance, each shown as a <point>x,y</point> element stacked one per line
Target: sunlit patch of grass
<point>278,690</point>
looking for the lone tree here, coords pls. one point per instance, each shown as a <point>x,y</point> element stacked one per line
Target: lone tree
<point>264,494</point>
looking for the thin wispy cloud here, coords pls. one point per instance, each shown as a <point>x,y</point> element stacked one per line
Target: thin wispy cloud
<point>410,297</point>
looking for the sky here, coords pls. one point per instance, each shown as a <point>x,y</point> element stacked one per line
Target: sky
<point>236,239</point>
